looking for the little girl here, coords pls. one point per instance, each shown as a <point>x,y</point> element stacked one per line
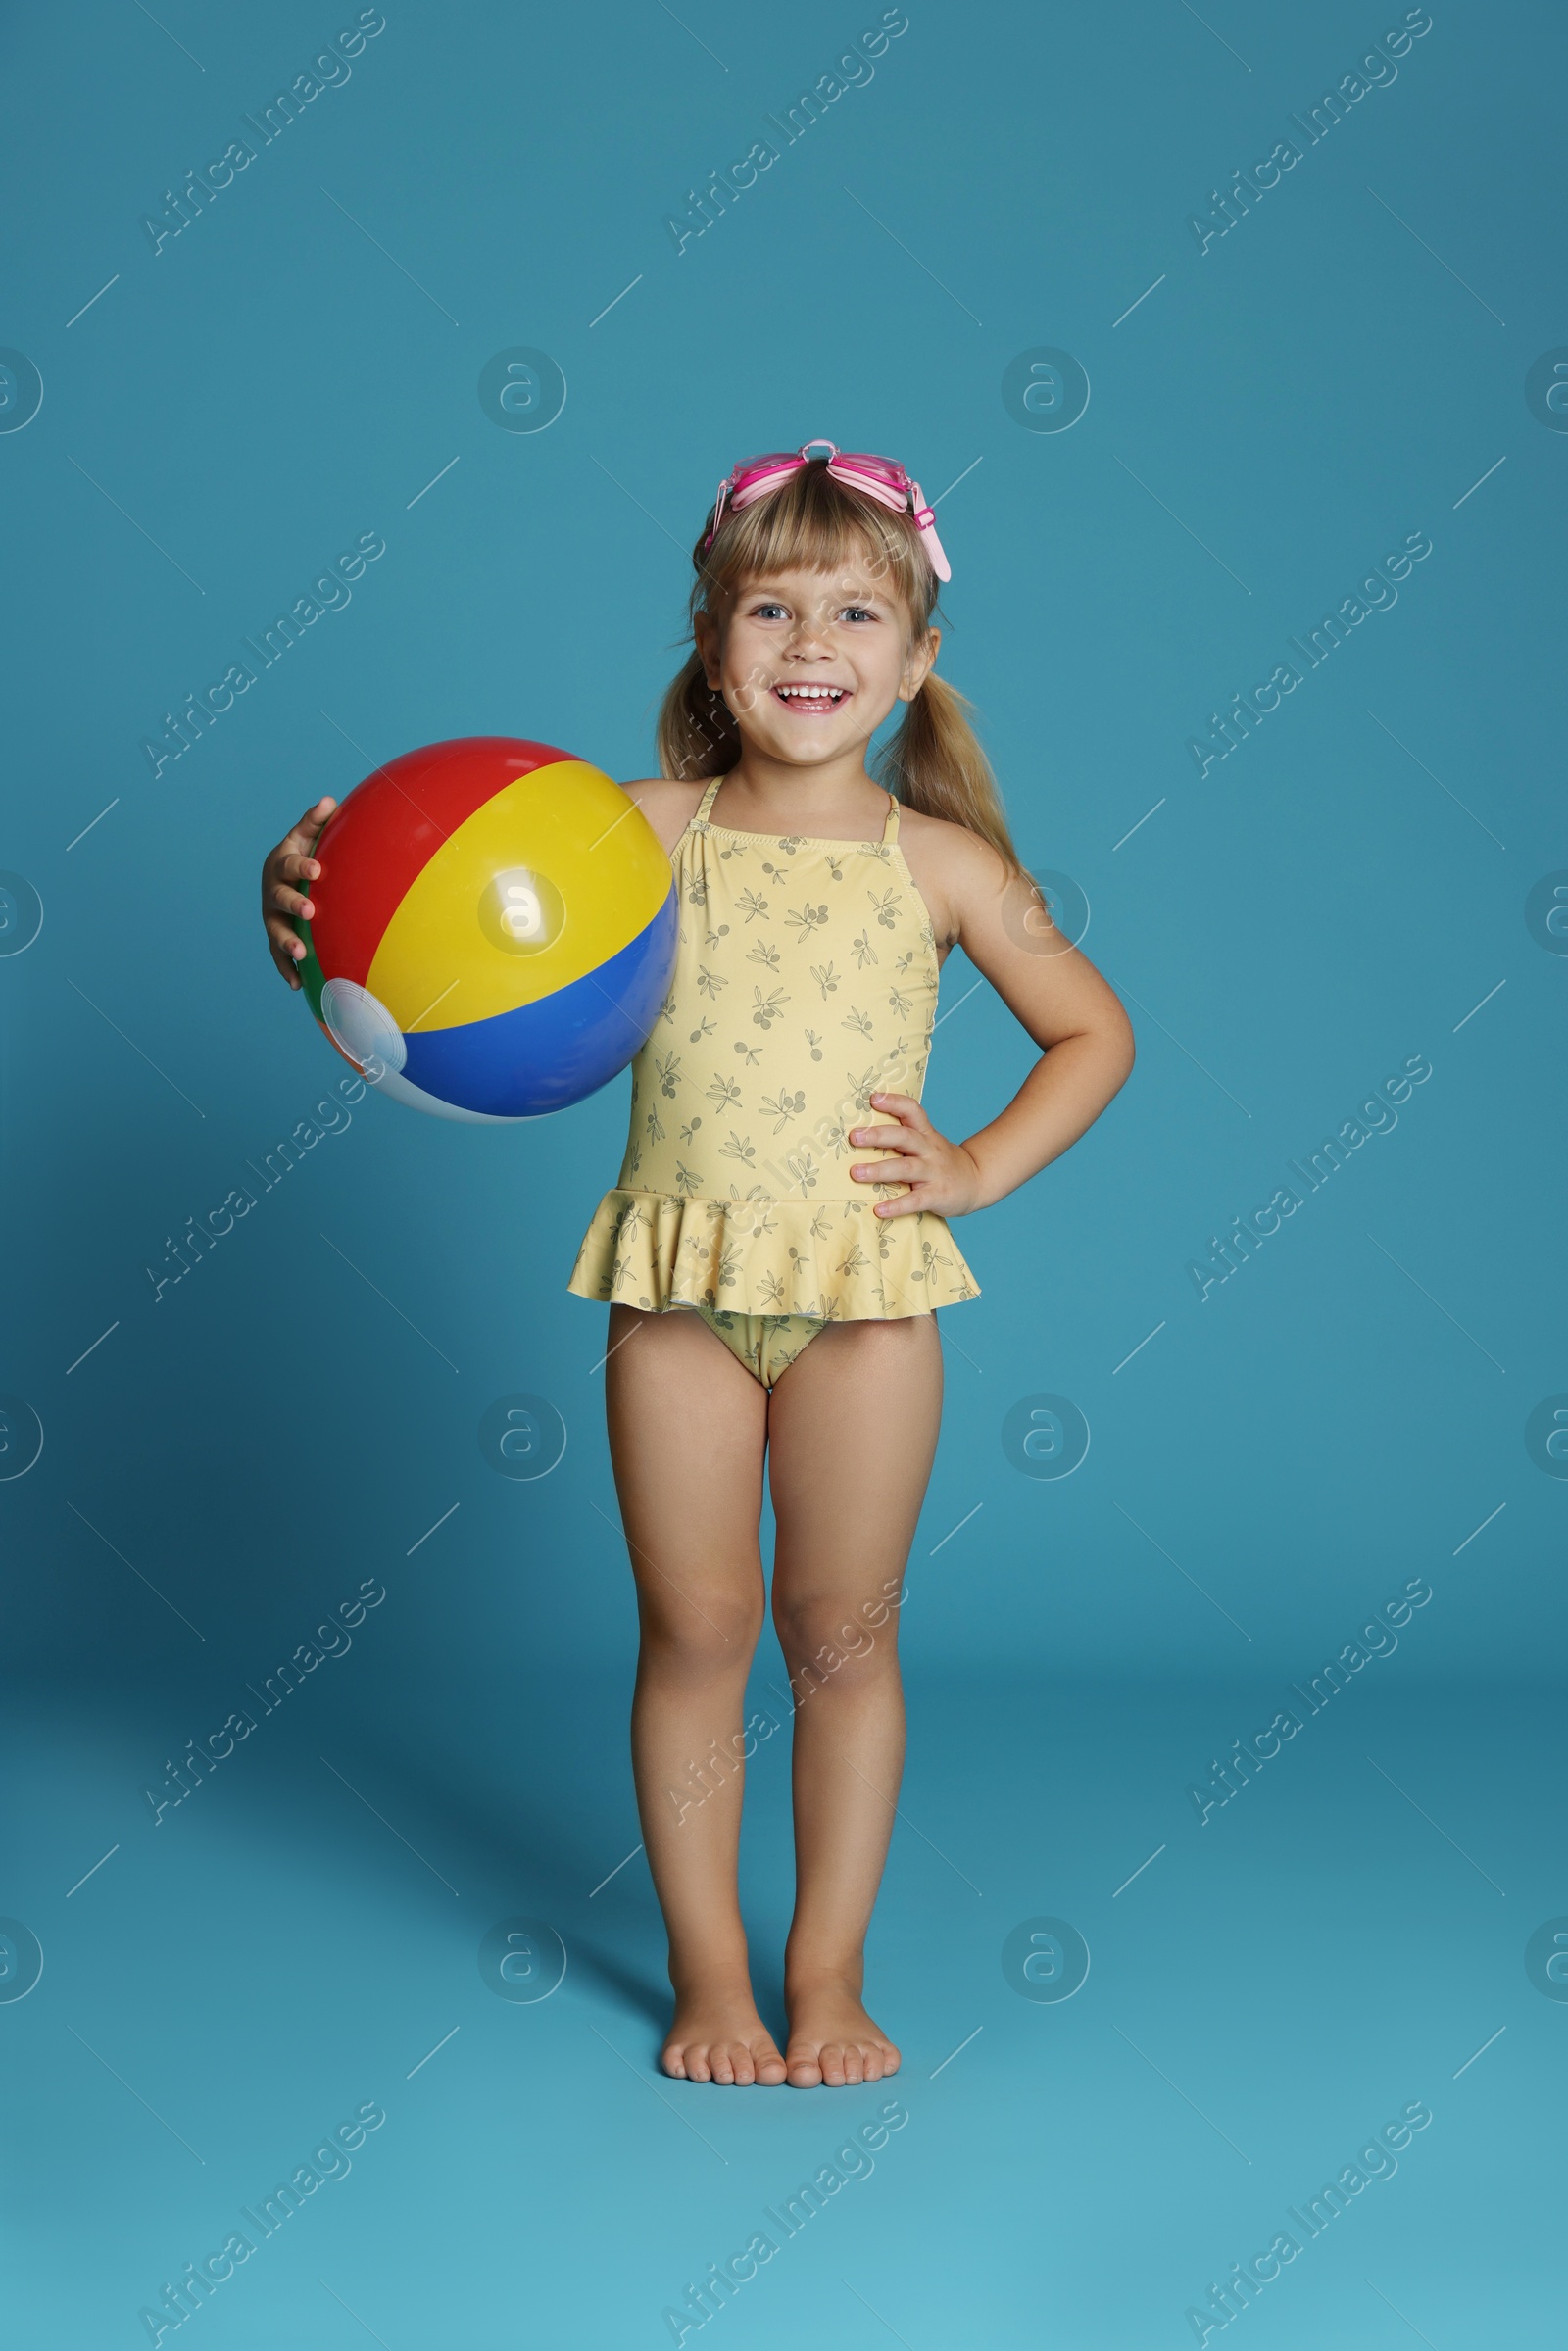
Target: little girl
<point>777,1242</point>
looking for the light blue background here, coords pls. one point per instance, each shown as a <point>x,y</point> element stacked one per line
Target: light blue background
<point>1342,892</point>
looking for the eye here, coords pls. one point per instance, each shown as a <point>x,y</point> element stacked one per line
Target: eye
<point>857,612</point>
<point>769,611</point>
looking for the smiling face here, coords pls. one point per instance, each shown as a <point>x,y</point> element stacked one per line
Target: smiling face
<point>810,662</point>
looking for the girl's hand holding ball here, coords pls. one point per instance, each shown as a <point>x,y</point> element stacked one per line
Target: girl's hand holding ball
<point>284,869</point>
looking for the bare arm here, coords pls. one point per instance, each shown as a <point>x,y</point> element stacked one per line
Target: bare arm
<point>1084,1038</point>
<point>667,805</point>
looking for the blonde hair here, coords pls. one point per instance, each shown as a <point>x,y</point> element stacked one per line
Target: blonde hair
<point>934,764</point>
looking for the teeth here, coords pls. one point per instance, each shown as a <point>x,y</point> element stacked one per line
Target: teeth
<point>812,693</point>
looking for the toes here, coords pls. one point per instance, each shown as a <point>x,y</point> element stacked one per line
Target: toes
<point>804,2070</point>
<point>855,2066</point>
<point>833,2066</point>
<point>733,2063</point>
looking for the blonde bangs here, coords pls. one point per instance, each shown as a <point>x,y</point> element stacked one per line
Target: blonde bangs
<point>814,523</point>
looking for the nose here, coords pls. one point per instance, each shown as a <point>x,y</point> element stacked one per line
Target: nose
<point>807,639</point>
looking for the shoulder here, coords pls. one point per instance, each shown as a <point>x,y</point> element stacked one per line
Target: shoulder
<point>954,870</point>
<point>668,807</point>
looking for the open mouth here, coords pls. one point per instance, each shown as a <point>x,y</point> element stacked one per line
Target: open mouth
<point>816,699</point>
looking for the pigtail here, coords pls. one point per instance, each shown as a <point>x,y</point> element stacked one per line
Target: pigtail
<point>697,735</point>
<point>935,765</point>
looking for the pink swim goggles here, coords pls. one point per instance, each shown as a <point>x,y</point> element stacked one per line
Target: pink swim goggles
<point>875,477</point>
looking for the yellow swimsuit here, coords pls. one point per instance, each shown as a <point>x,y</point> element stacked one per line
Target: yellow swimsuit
<point>806,980</point>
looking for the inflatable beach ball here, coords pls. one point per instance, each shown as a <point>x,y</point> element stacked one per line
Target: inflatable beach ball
<point>494,930</point>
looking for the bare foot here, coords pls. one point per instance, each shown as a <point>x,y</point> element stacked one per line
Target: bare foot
<point>717,2035</point>
<point>832,2041</point>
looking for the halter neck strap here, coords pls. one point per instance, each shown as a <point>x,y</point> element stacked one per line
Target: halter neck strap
<point>707,799</point>
<point>890,831</point>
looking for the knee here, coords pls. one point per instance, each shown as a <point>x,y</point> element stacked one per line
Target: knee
<point>831,1641</point>
<point>699,1633</point>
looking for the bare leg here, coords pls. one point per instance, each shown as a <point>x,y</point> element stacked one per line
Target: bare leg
<point>853,1427</point>
<point>688,1426</point>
